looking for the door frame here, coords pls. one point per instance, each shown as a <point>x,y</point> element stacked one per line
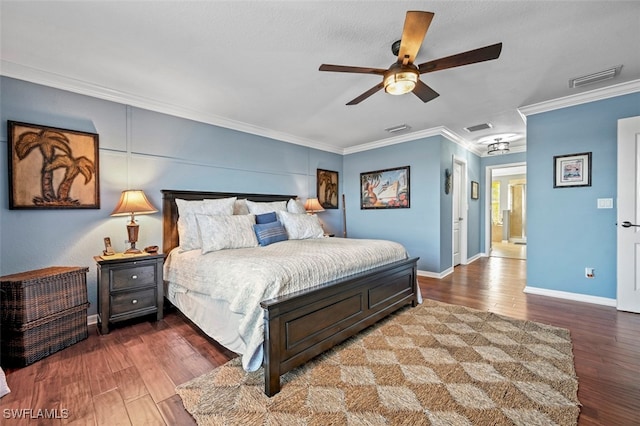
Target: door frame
<point>487,200</point>
<point>464,208</point>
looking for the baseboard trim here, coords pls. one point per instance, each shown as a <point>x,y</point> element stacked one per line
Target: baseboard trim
<point>576,297</point>
<point>92,319</point>
<point>437,275</point>
<point>449,271</point>
<point>475,257</point>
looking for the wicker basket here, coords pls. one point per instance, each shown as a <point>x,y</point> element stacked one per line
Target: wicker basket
<point>37,339</point>
<point>30,296</point>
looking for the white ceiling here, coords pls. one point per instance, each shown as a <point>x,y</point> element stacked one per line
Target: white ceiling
<point>253,66</point>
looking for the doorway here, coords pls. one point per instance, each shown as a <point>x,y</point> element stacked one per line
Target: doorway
<point>507,218</point>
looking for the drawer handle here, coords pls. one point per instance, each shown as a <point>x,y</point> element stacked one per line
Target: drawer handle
<point>134,277</point>
<point>134,301</point>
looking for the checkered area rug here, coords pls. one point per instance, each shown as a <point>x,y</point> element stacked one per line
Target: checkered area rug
<point>436,364</point>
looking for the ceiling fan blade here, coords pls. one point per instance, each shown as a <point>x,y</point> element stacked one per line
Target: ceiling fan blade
<point>424,92</point>
<point>366,94</point>
<point>482,54</point>
<point>345,68</point>
<point>415,28</point>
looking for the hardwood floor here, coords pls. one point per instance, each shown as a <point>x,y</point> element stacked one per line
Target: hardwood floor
<point>128,377</point>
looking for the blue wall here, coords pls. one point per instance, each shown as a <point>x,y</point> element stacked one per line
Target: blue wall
<point>145,150</point>
<point>566,232</point>
<point>425,228</point>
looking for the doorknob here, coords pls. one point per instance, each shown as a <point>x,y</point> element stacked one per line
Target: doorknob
<point>627,224</point>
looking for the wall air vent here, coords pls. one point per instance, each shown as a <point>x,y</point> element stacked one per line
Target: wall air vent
<point>478,127</point>
<point>596,77</point>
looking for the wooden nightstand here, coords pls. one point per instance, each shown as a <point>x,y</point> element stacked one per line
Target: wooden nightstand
<point>129,287</point>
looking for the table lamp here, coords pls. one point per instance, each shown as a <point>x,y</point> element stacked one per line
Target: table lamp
<point>312,205</point>
<point>132,202</point>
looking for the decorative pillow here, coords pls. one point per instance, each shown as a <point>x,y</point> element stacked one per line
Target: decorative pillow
<point>4,388</point>
<point>295,206</point>
<point>301,226</point>
<point>226,232</point>
<point>259,208</point>
<point>188,230</point>
<point>269,233</point>
<point>266,217</point>
<point>240,207</point>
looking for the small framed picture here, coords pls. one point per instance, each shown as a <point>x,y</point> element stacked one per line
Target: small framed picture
<point>474,190</point>
<point>572,170</point>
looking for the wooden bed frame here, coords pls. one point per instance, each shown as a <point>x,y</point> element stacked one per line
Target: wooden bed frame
<point>302,325</point>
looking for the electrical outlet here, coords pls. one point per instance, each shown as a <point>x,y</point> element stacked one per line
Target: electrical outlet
<point>589,272</point>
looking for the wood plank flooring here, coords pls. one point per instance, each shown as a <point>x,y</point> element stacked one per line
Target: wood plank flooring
<point>128,377</point>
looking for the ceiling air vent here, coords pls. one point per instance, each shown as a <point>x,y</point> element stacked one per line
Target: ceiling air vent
<point>478,127</point>
<point>595,77</point>
<point>398,128</point>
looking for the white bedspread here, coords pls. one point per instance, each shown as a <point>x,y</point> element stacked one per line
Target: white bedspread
<point>245,277</point>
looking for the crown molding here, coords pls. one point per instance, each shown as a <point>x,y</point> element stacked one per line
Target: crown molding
<point>408,137</point>
<point>57,81</point>
<point>581,98</point>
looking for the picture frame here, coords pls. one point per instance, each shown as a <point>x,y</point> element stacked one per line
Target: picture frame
<point>52,168</point>
<point>327,188</point>
<point>385,189</point>
<point>475,188</point>
<point>572,170</point>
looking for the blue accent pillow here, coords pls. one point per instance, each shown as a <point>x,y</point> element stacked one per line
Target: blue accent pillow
<point>269,233</point>
<point>266,217</point>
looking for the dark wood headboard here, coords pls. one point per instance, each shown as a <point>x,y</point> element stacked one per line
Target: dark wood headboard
<point>170,237</point>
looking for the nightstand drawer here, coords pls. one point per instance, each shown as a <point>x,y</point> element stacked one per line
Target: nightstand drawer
<point>137,276</point>
<point>132,301</point>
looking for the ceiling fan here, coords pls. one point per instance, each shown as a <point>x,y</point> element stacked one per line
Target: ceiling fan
<point>403,76</point>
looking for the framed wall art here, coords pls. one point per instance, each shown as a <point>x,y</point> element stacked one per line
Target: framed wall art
<point>385,189</point>
<point>572,170</point>
<point>51,168</point>
<point>327,188</point>
<point>474,190</point>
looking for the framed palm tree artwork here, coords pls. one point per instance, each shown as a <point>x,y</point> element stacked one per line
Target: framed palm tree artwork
<point>51,168</point>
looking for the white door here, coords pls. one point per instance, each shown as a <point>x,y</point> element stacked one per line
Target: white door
<point>459,211</point>
<point>457,216</point>
<point>629,214</point>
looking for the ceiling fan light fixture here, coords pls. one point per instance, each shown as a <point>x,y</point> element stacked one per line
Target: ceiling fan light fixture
<point>400,82</point>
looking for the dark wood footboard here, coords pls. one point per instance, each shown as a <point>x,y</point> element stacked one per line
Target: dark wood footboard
<point>302,325</point>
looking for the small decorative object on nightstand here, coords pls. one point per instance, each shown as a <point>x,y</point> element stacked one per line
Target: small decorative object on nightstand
<point>129,286</point>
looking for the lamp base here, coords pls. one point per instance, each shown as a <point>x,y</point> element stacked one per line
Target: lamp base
<point>133,250</point>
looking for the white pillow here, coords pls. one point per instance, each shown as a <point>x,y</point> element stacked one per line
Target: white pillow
<point>226,232</point>
<point>240,207</point>
<point>4,389</point>
<point>295,206</point>
<point>260,208</point>
<point>188,230</point>
<point>301,226</point>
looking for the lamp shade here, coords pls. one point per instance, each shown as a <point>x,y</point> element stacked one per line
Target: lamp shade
<point>312,205</point>
<point>133,201</point>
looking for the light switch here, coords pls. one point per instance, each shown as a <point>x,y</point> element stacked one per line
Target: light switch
<point>605,203</point>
